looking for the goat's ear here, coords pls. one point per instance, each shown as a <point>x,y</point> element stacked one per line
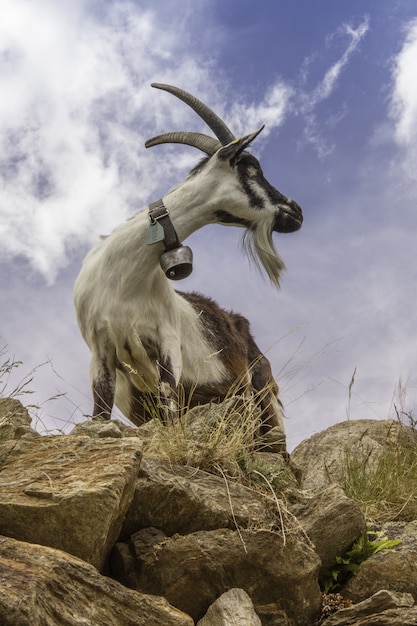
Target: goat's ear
<point>231,151</point>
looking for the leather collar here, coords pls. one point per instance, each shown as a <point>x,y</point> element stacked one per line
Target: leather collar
<point>159,213</point>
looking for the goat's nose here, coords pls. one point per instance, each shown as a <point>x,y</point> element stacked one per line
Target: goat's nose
<point>288,218</point>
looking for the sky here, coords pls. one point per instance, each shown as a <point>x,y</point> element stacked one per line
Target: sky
<point>335,84</point>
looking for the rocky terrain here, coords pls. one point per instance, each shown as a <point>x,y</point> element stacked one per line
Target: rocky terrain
<point>98,529</point>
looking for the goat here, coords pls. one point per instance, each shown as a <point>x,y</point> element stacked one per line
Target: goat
<point>148,340</point>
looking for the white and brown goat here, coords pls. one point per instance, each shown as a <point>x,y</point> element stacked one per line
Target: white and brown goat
<point>148,340</point>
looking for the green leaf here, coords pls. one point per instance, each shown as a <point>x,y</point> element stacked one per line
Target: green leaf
<point>387,544</point>
<point>348,564</point>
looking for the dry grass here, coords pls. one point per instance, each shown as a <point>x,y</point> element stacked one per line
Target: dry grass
<point>386,488</point>
<point>21,389</point>
<point>221,439</point>
<point>220,436</point>
<point>385,485</point>
<point>7,367</point>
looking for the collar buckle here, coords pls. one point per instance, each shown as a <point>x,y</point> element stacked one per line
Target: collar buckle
<point>177,260</point>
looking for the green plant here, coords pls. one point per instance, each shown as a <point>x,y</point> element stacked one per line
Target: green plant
<point>369,543</point>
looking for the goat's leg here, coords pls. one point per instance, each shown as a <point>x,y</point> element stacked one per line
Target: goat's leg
<point>272,429</point>
<point>103,382</point>
<point>267,393</point>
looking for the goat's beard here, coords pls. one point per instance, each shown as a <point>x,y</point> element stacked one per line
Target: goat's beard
<point>259,246</point>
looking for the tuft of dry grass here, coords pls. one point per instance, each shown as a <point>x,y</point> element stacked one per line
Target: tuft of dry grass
<point>403,409</point>
<point>20,390</point>
<point>386,488</point>
<point>7,367</point>
<point>217,435</point>
<point>221,439</point>
<point>384,485</point>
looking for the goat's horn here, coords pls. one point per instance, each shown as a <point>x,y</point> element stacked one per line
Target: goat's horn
<point>206,144</point>
<point>219,128</point>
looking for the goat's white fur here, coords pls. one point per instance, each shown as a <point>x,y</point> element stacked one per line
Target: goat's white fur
<point>139,301</point>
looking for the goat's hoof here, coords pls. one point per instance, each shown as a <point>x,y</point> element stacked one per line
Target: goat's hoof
<point>100,418</point>
<point>273,440</point>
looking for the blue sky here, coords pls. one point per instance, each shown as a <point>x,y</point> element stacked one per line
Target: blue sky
<point>336,85</point>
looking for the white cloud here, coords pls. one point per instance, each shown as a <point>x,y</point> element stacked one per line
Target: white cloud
<point>309,101</point>
<point>327,85</point>
<point>75,110</point>
<point>404,98</point>
<point>271,111</point>
<point>76,102</point>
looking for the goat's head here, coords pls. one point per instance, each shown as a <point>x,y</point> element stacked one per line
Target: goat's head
<point>239,194</point>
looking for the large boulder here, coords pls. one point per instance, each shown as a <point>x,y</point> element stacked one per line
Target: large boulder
<point>41,586</point>
<point>192,571</point>
<point>70,493</point>
<point>181,499</point>
<point>330,519</point>
<point>322,458</point>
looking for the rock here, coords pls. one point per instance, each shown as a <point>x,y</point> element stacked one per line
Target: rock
<point>148,430</point>
<point>272,616</point>
<point>15,420</point>
<point>233,608</point>
<point>392,617</point>
<point>123,565</point>
<point>375,610</point>
<point>192,571</point>
<point>394,569</point>
<point>181,499</point>
<point>41,586</point>
<point>219,551</point>
<point>96,429</point>
<point>273,440</point>
<point>321,457</point>
<point>277,469</point>
<point>127,560</point>
<point>331,520</point>
<point>127,431</point>
<point>70,493</point>
<point>203,417</point>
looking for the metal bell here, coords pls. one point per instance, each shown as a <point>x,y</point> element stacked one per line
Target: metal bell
<point>177,263</point>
